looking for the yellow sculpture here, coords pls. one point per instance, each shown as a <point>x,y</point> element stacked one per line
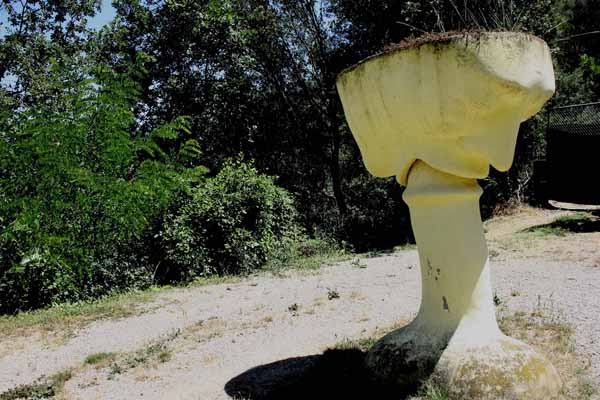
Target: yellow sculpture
<point>436,115</point>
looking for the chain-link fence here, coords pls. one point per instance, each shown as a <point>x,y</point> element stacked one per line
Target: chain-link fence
<point>572,168</point>
<point>582,119</point>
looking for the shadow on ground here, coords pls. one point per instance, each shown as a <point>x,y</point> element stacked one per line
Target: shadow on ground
<point>578,223</point>
<point>336,374</point>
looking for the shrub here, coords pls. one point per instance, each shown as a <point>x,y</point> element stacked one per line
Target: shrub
<point>232,224</point>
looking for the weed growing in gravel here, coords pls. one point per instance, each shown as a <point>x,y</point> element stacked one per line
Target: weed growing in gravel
<point>358,263</point>
<point>497,300</point>
<point>158,351</point>
<point>42,389</point>
<point>99,358</point>
<point>493,254</point>
<point>332,294</point>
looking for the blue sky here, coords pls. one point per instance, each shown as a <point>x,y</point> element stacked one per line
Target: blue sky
<point>104,16</point>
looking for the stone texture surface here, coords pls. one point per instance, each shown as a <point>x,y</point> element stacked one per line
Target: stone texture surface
<point>455,104</point>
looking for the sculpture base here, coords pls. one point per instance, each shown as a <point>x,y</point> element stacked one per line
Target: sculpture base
<point>502,368</point>
<point>455,337</point>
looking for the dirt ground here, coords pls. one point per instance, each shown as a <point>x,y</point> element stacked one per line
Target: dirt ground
<point>189,343</point>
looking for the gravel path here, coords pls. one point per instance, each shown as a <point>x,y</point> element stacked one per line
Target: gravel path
<point>224,330</point>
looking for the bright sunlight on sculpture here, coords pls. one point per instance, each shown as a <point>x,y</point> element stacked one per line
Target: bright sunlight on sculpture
<point>437,114</point>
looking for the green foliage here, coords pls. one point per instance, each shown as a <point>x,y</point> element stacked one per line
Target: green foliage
<point>233,223</point>
<point>377,217</point>
<point>35,37</point>
<point>79,191</point>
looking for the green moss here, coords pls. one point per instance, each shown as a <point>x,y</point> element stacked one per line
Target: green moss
<point>512,379</point>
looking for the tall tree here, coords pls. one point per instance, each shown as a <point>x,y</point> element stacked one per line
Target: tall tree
<point>254,76</point>
<point>40,34</point>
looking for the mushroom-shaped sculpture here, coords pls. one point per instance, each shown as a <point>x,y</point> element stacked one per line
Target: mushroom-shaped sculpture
<point>436,115</point>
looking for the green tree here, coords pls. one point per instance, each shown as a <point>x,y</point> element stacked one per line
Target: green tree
<point>250,75</point>
<point>37,36</point>
<point>80,188</point>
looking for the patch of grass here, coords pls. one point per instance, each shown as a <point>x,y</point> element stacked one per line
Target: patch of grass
<point>405,247</point>
<point>165,355</point>
<point>579,222</point>
<point>544,231</point>
<point>115,369</point>
<point>587,387</point>
<point>42,389</point>
<point>64,318</point>
<point>203,330</point>
<point>215,280</point>
<point>99,358</point>
<point>432,391</point>
<point>363,344</point>
<point>310,254</point>
<point>493,254</point>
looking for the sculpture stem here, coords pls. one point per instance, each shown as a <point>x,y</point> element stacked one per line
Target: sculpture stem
<point>446,221</point>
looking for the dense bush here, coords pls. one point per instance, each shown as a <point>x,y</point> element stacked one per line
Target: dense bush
<point>233,223</point>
